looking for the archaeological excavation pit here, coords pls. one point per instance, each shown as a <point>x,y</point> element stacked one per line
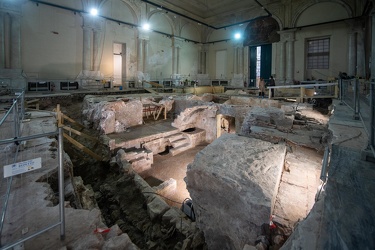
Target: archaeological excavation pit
<point>237,161</point>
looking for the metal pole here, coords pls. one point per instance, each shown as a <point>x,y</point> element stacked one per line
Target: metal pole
<point>5,206</point>
<point>341,91</point>
<point>25,138</point>
<point>323,174</point>
<point>15,116</point>
<point>356,100</point>
<point>30,237</point>
<point>22,104</point>
<point>372,114</point>
<point>61,185</point>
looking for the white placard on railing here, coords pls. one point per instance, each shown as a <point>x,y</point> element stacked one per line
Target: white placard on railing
<point>22,167</point>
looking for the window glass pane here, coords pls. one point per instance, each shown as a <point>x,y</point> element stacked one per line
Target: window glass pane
<point>318,53</point>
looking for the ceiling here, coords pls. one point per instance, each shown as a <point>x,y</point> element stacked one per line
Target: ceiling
<point>215,13</point>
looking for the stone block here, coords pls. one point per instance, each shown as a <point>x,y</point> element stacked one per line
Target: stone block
<point>156,208</point>
<point>234,181</point>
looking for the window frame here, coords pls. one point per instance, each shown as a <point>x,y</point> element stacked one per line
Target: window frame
<point>321,55</point>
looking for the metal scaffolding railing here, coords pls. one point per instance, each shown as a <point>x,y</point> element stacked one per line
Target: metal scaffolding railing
<point>372,117</point>
<point>359,96</point>
<point>11,134</point>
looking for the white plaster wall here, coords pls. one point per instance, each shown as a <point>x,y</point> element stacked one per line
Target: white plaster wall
<point>189,60</point>
<point>118,10</point>
<point>159,60</point>
<point>338,34</point>
<point>115,33</point>
<point>229,47</point>
<point>74,4</point>
<point>191,31</point>
<point>51,42</point>
<point>328,11</point>
<point>46,54</point>
<point>219,35</point>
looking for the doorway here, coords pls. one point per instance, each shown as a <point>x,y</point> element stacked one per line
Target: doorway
<point>260,61</point>
<point>221,64</point>
<point>119,64</point>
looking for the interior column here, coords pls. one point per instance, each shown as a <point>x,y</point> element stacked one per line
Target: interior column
<point>373,48</point>
<point>178,60</point>
<point>282,61</point>
<point>176,45</point>
<point>361,72</point>
<point>235,60</point>
<point>2,40</point>
<point>140,56</point>
<point>87,48</point>
<point>352,54</point>
<point>15,36</point>
<point>240,60</point>
<point>290,63</point>
<point>145,55</point>
<point>96,49</point>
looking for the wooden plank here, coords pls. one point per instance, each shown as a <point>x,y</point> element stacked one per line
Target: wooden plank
<point>73,121</point>
<point>159,112</point>
<point>59,118</point>
<point>157,85</point>
<point>81,134</point>
<point>151,91</point>
<point>83,148</point>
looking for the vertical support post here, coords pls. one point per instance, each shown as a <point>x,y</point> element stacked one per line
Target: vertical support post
<point>372,114</point>
<point>58,113</point>
<point>22,104</point>
<point>61,185</point>
<point>269,93</point>
<point>323,173</point>
<point>336,91</point>
<point>356,100</point>
<point>302,94</point>
<point>341,91</point>
<point>15,118</point>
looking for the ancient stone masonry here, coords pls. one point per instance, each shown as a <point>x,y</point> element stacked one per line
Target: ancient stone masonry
<point>343,216</point>
<point>233,183</point>
<point>156,225</point>
<point>203,117</point>
<point>114,114</point>
<point>298,124</point>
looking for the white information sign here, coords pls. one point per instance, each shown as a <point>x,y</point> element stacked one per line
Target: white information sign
<point>22,167</point>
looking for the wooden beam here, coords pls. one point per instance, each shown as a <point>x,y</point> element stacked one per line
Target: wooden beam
<point>336,91</point>
<point>59,118</point>
<point>34,102</point>
<point>83,148</point>
<point>72,121</point>
<point>159,112</point>
<point>81,134</point>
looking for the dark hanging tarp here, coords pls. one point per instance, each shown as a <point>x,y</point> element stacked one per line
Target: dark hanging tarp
<point>261,31</point>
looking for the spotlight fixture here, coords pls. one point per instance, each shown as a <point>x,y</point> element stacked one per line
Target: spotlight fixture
<point>237,36</point>
<point>146,26</point>
<point>94,12</point>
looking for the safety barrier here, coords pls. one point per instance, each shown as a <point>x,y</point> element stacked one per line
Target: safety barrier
<point>304,92</point>
<point>360,97</point>
<point>16,169</point>
<point>372,117</point>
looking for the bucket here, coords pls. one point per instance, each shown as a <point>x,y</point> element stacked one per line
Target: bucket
<point>120,88</point>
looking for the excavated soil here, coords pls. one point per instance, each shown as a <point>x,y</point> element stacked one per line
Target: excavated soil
<point>116,194</point>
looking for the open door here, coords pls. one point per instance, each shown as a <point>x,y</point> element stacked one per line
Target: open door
<point>119,64</point>
<point>260,62</point>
